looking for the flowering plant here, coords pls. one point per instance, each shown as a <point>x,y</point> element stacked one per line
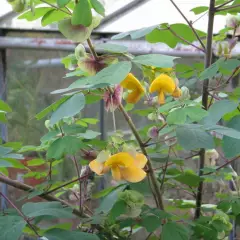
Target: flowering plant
<point>155,186</point>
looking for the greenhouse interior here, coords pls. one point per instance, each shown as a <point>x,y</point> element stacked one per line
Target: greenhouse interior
<point>34,63</point>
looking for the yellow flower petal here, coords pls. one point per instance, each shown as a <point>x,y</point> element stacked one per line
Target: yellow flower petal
<point>140,160</point>
<point>134,97</point>
<point>161,98</point>
<point>177,92</point>
<point>132,83</point>
<point>116,173</point>
<point>162,83</point>
<point>121,159</point>
<point>96,167</point>
<point>133,174</point>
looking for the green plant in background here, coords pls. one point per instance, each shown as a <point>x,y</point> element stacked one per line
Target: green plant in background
<point>156,158</point>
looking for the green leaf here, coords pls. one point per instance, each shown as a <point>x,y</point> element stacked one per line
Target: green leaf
<point>156,60</point>
<point>230,132</point>
<point>104,192</point>
<point>62,3</point>
<point>165,36</point>
<point>108,201</point>
<point>64,145</point>
<point>89,134</point>
<point>4,151</point>
<point>109,47</point>
<point>82,13</point>
<point>192,136</point>
<point>32,16</point>
<point>36,162</point>
<point>69,108</point>
<point>209,72</point>
<point>200,9</point>
<point>90,120</point>
<point>98,7</point>
<point>3,117</point>
<point>52,16</point>
<point>61,234</point>
<point>195,113</point>
<point>151,223</point>
<point>231,146</point>
<point>118,208</point>
<point>218,110</point>
<point>172,230</point>
<point>54,209</point>
<point>177,116</point>
<point>135,34</point>
<point>75,73</point>
<point>11,227</point>
<point>51,108</point>
<point>221,64</point>
<point>189,179</point>
<point>112,74</point>
<point>4,107</point>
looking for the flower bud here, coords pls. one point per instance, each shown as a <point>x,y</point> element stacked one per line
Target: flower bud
<point>211,157</point>
<point>232,21</point>
<point>219,49</point>
<point>134,202</point>
<point>80,52</point>
<point>170,141</point>
<point>185,94</point>
<point>177,93</point>
<point>232,43</point>
<point>88,155</point>
<point>103,156</point>
<point>47,124</point>
<point>225,49</point>
<point>153,132</point>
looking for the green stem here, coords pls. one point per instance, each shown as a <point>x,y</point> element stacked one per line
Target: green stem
<point>208,61</point>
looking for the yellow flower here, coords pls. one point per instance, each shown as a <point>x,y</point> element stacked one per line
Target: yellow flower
<point>177,92</point>
<point>123,166</point>
<point>132,83</point>
<point>163,84</point>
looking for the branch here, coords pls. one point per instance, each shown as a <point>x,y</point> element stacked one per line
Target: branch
<point>189,24</point>
<point>208,60</point>
<point>186,41</point>
<point>165,170</point>
<point>28,188</point>
<point>222,5</point>
<point>223,165</point>
<point>21,214</point>
<point>65,184</point>
<point>227,8</point>
<point>60,9</point>
<point>79,182</point>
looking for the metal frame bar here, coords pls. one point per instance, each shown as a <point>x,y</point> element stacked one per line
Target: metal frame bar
<point>3,96</point>
<point>134,46</point>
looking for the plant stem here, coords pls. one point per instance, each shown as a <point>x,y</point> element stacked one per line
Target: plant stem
<point>20,213</point>
<point>165,170</point>
<point>189,24</point>
<point>208,60</point>
<point>60,9</point>
<point>28,188</point>
<point>219,6</point>
<point>223,165</point>
<point>92,50</point>
<point>128,119</point>
<point>65,184</point>
<point>227,8</point>
<point>186,41</point>
<point>79,181</point>
<point>149,165</point>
